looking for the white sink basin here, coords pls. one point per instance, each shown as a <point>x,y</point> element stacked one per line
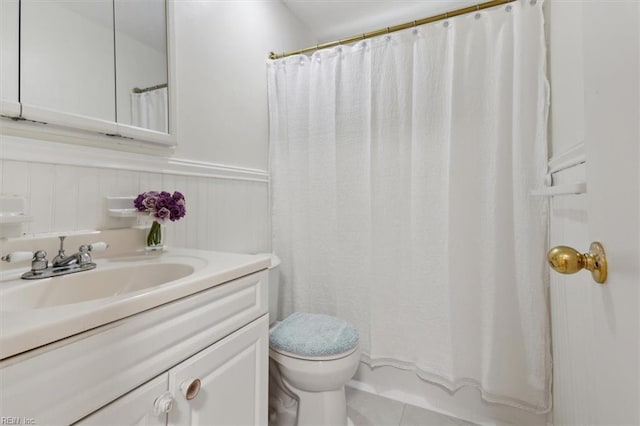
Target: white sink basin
<point>90,285</point>
<point>37,312</point>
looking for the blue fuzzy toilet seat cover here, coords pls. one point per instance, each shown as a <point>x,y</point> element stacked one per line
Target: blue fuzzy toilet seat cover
<point>313,335</point>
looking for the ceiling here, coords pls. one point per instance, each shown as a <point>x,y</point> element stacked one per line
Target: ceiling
<point>330,20</point>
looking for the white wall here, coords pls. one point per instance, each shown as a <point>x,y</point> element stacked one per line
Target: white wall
<point>566,74</point>
<point>223,213</point>
<point>221,50</point>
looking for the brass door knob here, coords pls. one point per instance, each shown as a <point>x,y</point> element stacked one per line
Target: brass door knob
<point>567,260</point>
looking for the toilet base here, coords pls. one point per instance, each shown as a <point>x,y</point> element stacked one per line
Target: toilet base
<point>287,417</point>
<point>322,408</point>
<point>317,408</point>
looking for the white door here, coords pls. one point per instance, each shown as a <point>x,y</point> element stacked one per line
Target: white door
<point>595,83</point>
<point>225,384</point>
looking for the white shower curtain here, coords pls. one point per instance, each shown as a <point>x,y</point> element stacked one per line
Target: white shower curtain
<point>401,175</point>
<point>150,110</point>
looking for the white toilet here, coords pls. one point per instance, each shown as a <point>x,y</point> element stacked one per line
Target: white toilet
<point>312,357</point>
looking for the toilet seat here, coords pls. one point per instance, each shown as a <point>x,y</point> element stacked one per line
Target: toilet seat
<point>313,336</point>
<point>313,358</point>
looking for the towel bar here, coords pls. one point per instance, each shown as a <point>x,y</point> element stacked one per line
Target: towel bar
<point>565,189</point>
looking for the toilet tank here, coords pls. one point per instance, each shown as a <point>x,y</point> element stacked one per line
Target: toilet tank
<point>274,287</point>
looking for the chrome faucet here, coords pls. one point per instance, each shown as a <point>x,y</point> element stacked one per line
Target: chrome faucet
<point>82,257</point>
<point>61,264</point>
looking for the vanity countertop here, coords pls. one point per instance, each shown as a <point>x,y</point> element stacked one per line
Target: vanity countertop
<point>23,328</point>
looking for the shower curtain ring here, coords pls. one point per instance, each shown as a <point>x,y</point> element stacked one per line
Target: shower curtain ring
<point>477,8</point>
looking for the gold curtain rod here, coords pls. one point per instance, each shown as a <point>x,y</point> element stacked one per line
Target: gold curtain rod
<point>393,29</point>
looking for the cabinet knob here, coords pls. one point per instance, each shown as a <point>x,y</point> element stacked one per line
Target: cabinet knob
<point>190,388</point>
<point>163,404</point>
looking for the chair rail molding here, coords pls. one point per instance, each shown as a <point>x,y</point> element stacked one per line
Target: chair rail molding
<point>16,148</point>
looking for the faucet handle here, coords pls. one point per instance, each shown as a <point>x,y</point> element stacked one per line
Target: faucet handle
<point>98,246</point>
<point>39,261</point>
<point>18,256</point>
<point>84,256</point>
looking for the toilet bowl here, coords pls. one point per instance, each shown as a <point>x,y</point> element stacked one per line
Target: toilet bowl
<point>318,385</point>
<point>312,357</point>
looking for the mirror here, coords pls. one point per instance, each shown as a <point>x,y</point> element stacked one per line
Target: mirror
<point>141,64</point>
<point>99,65</point>
<point>9,18</point>
<point>66,59</point>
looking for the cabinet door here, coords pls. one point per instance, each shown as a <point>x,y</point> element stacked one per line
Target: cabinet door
<point>9,13</point>
<point>67,72</point>
<point>233,381</point>
<point>141,64</point>
<point>135,408</point>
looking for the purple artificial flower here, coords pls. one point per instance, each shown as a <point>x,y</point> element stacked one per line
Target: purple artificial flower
<point>161,204</point>
<point>177,212</point>
<point>163,214</point>
<point>150,203</point>
<point>138,202</point>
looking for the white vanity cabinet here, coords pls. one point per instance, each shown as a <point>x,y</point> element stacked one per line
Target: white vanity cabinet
<point>119,373</point>
<point>233,384</point>
<point>225,384</point>
<point>138,407</point>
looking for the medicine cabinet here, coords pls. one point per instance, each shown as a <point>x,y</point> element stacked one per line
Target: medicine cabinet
<point>9,80</point>
<point>93,65</point>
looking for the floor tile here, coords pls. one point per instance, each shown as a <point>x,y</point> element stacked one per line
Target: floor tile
<point>415,416</point>
<point>367,409</point>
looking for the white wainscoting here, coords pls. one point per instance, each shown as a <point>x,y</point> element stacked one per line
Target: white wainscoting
<point>65,187</point>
